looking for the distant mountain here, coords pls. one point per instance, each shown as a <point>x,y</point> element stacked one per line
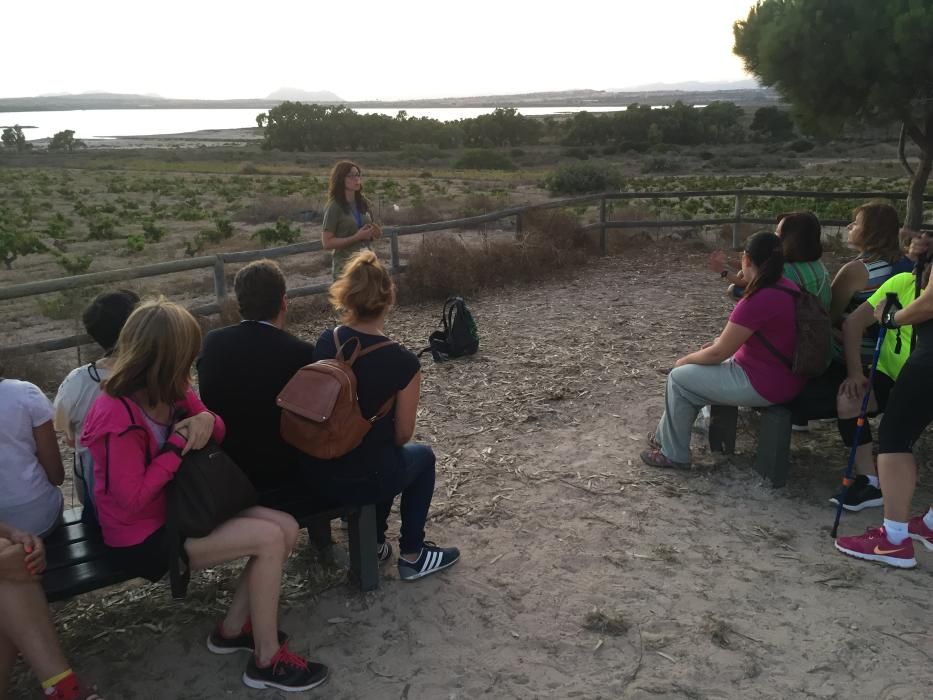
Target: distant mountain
<point>694,86</point>
<point>296,95</point>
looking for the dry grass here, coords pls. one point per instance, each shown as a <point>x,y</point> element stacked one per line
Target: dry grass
<point>446,264</point>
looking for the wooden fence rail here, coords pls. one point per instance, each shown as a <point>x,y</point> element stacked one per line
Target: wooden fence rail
<point>219,261</point>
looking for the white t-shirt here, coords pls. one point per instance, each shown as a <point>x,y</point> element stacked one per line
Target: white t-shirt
<point>75,396</point>
<point>28,500</point>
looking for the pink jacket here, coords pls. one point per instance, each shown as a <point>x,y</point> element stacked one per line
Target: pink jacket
<point>130,472</point>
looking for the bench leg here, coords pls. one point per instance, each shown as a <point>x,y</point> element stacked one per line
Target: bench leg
<point>321,542</point>
<point>364,566</point>
<point>723,423</point>
<point>773,457</point>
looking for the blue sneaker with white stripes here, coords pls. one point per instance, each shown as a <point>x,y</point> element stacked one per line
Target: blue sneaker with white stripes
<point>431,560</point>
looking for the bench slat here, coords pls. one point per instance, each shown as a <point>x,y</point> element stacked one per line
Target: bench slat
<point>75,553</point>
<point>61,584</point>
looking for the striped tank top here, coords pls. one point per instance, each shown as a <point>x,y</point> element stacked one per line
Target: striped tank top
<point>879,271</point>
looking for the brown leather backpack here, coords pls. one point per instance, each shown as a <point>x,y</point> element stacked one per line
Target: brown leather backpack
<point>320,410</point>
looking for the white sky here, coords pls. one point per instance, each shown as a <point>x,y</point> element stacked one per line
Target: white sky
<point>364,49</point>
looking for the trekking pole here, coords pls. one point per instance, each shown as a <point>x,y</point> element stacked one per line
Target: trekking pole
<point>847,480</point>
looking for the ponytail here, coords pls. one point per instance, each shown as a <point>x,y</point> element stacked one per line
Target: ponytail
<point>765,251</point>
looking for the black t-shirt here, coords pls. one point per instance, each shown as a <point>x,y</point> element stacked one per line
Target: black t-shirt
<point>923,353</point>
<point>241,370</point>
<point>379,375</point>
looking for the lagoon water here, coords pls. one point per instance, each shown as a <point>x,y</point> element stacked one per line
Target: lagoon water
<point>108,123</point>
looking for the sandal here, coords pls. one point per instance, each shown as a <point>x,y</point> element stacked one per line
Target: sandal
<point>656,458</point>
<point>653,442</point>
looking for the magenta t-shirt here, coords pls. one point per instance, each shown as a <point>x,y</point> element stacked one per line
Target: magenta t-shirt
<point>771,313</point>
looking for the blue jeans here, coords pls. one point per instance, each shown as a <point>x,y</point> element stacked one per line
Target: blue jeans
<point>406,470</point>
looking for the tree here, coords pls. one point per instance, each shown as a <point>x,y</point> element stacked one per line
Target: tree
<point>772,123</point>
<point>66,141</point>
<point>841,63</point>
<point>13,137</point>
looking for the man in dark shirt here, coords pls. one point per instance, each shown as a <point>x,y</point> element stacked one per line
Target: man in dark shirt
<point>242,369</point>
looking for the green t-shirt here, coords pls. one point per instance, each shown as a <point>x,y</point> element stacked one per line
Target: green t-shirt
<point>342,224</point>
<point>889,361</point>
<point>812,276</point>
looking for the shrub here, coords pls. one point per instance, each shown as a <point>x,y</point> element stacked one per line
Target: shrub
<point>101,229</point>
<point>222,230</point>
<point>516,153</point>
<point>151,232</point>
<point>193,246</point>
<point>446,264</point>
<point>801,146</point>
<point>580,178</point>
<point>282,232</point>
<point>483,159</point>
<point>77,265</point>
<point>135,243</point>
<point>58,225</point>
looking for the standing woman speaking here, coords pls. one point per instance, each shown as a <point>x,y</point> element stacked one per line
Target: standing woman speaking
<point>348,222</point>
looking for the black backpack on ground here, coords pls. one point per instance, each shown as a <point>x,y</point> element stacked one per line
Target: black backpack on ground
<point>458,335</point>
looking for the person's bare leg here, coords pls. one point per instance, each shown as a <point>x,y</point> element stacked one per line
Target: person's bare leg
<point>27,626</point>
<point>257,594</point>
<point>847,407</point>
<point>285,521</point>
<point>898,475</point>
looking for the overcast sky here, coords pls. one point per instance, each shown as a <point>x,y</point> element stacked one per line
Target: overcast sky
<point>364,49</point>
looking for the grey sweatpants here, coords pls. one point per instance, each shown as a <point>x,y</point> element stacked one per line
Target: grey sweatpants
<point>691,387</point>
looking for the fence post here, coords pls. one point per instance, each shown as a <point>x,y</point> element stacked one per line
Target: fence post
<point>220,280</point>
<point>393,240</point>
<point>603,243</point>
<point>738,219</point>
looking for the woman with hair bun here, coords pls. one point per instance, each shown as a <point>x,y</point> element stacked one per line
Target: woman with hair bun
<point>741,367</point>
<point>385,464</point>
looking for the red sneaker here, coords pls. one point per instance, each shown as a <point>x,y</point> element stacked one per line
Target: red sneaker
<point>875,546</point>
<point>918,530</point>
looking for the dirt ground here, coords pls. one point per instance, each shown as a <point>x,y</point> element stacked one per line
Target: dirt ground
<point>584,574</point>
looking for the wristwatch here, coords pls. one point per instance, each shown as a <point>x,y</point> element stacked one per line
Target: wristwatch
<point>887,319</point>
<point>724,274</point>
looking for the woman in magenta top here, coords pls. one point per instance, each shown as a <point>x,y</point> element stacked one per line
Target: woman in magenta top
<point>137,441</point>
<point>738,368</point>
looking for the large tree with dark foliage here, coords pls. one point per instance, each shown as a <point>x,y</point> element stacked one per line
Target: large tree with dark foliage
<point>850,61</point>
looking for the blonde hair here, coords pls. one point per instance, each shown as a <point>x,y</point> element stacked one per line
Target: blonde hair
<point>154,353</point>
<point>364,289</point>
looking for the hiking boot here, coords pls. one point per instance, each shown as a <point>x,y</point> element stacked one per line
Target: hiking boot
<point>656,458</point>
<point>286,671</point>
<point>861,495</point>
<point>383,552</point>
<point>918,530</point>
<point>874,545</point>
<point>431,560</point>
<point>217,643</point>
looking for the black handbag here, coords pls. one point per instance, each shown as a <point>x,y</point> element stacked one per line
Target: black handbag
<point>207,490</point>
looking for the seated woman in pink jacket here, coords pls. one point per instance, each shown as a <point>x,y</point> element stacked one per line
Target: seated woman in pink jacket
<point>137,447</point>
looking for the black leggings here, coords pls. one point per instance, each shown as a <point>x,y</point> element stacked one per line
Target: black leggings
<point>909,410</point>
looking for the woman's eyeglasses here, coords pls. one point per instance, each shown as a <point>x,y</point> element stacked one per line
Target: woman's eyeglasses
<point>354,175</point>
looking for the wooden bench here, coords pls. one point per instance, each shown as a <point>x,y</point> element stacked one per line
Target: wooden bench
<point>77,559</point>
<point>772,458</point>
